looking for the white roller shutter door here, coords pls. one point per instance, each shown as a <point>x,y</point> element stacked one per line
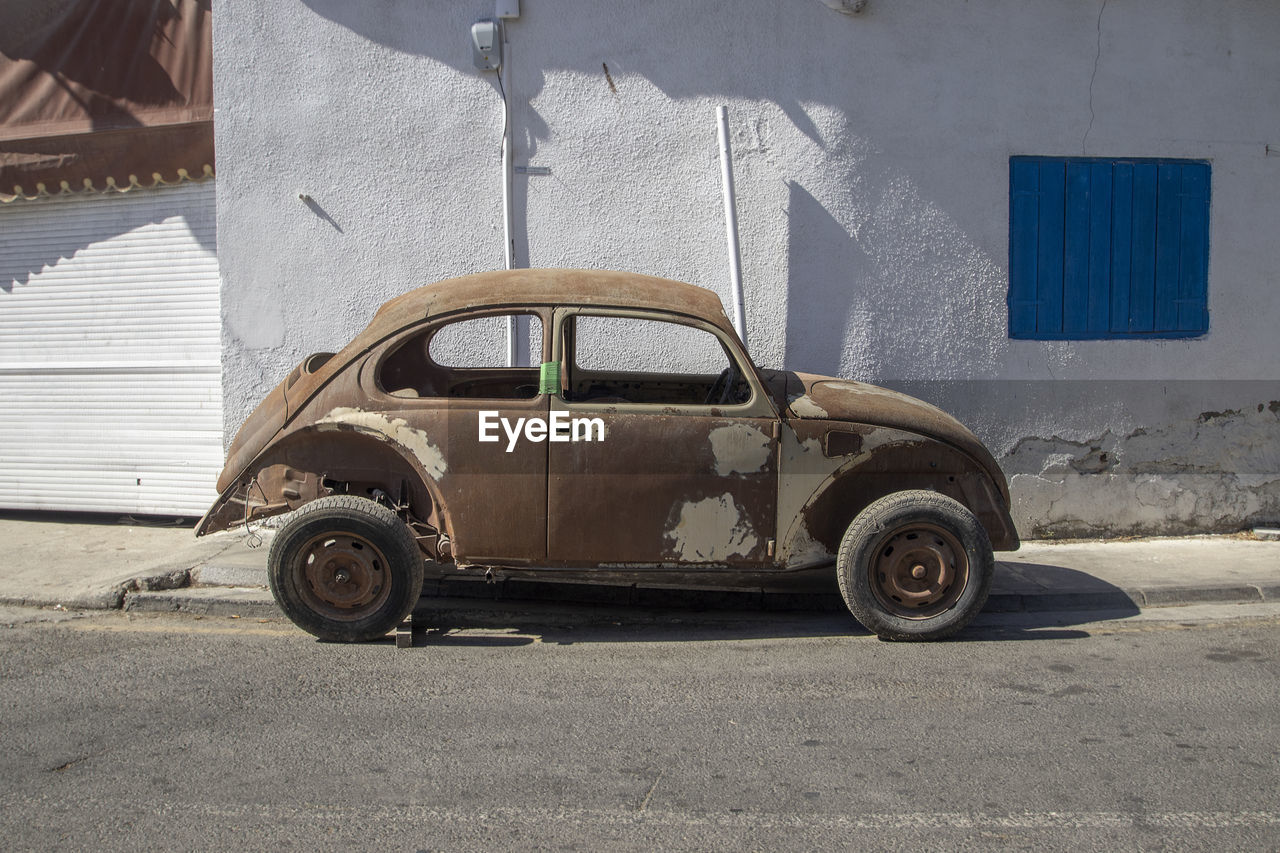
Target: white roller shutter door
<point>110,374</point>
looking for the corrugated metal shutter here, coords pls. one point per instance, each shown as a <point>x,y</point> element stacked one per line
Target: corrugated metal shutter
<point>110,352</point>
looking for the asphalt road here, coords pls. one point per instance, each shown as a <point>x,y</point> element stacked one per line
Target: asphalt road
<point>128,732</point>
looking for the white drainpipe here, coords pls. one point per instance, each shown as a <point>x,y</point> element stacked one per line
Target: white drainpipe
<point>731,227</point>
<point>508,243</point>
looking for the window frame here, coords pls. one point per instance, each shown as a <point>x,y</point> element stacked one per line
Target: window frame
<point>563,351</point>
<point>430,326</point>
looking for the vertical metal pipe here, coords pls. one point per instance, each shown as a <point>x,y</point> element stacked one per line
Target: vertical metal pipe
<point>731,227</point>
<point>509,238</point>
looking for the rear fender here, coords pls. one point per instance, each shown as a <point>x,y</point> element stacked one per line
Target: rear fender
<point>331,459</point>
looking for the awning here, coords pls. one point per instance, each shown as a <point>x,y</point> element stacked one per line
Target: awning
<point>104,94</point>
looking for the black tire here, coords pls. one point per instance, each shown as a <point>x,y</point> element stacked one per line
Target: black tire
<point>345,569</point>
<point>915,565</point>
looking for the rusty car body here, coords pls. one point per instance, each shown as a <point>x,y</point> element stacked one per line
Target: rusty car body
<point>378,449</point>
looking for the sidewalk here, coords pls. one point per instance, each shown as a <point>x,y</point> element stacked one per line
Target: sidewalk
<point>81,563</point>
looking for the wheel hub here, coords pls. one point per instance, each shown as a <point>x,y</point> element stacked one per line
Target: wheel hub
<point>919,571</point>
<point>344,574</point>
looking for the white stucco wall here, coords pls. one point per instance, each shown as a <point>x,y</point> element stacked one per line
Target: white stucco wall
<point>871,158</point>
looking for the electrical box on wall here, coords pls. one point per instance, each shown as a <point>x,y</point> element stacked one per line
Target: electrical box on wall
<point>507,8</point>
<point>486,45</point>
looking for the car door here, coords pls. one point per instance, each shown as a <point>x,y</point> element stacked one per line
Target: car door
<point>445,380</point>
<point>671,450</point>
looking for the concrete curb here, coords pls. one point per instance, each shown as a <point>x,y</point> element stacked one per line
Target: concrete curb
<point>204,601</point>
<point>215,574</point>
<point>111,597</point>
<point>1173,596</point>
<point>108,599</point>
<point>520,599</point>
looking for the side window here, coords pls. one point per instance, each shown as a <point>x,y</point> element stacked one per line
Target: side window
<point>466,358</point>
<point>636,360</point>
<point>482,342</point>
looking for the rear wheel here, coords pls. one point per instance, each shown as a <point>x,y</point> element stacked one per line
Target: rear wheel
<point>915,565</point>
<point>345,569</point>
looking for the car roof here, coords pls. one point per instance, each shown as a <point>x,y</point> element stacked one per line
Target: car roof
<point>514,289</point>
<point>559,287</point>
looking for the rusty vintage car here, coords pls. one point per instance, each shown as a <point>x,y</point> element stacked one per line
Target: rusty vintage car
<point>638,439</point>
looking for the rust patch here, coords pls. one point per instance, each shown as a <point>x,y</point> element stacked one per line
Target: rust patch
<point>280,487</point>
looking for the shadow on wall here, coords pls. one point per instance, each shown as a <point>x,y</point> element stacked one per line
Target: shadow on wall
<point>816,341</point>
<point>22,221</point>
<point>867,71</point>
<point>677,60</point>
<point>869,242</point>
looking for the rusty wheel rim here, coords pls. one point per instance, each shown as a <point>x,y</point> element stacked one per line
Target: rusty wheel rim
<point>343,576</point>
<point>919,571</point>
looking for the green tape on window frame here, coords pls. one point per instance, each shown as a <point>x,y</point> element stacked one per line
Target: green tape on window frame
<point>549,380</point>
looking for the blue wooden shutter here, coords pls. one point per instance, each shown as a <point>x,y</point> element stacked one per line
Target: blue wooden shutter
<point>1024,206</point>
<point>1193,280</point>
<point>1103,248</point>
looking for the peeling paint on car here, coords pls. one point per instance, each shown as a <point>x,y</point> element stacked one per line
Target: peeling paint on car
<point>739,449</point>
<point>396,430</point>
<point>802,550</point>
<point>876,438</point>
<point>804,407</point>
<point>810,446</point>
<point>710,531</point>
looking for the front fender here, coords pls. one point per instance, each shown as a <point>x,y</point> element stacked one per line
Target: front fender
<point>833,479</point>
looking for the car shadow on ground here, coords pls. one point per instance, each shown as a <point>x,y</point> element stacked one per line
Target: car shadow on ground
<point>1027,602</point>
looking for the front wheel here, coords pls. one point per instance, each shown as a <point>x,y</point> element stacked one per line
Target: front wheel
<point>345,569</point>
<point>915,565</point>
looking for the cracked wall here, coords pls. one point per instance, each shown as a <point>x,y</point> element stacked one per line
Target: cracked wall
<point>1088,458</point>
<point>1216,472</point>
